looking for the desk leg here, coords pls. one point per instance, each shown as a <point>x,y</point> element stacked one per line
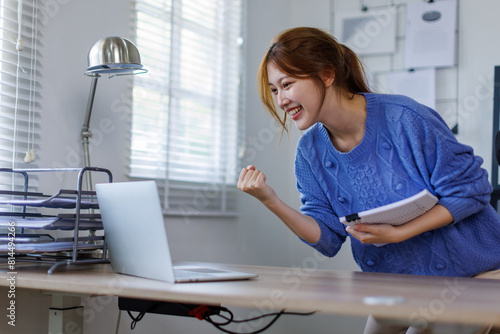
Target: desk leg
<point>66,315</point>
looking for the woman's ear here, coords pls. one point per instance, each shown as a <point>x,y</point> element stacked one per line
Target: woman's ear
<point>328,77</point>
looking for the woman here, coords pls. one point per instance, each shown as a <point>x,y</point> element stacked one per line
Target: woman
<point>363,150</point>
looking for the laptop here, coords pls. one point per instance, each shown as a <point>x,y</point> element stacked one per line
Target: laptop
<point>136,236</point>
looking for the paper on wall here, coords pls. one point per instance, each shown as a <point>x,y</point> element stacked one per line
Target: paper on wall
<point>431,34</point>
<point>420,85</point>
<point>369,32</point>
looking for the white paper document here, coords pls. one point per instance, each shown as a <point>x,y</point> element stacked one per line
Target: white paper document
<point>367,33</point>
<point>420,85</point>
<point>431,34</point>
<point>397,213</point>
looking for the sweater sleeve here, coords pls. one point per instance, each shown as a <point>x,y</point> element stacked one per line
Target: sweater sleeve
<point>316,205</point>
<point>450,168</point>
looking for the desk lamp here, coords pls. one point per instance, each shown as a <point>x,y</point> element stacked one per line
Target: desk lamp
<point>113,56</point>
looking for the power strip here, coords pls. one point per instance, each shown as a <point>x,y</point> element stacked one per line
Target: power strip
<point>170,308</point>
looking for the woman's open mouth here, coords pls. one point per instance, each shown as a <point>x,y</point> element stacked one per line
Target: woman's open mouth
<point>295,112</point>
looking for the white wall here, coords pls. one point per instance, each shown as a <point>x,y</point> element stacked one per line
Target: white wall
<point>479,53</point>
<point>256,236</point>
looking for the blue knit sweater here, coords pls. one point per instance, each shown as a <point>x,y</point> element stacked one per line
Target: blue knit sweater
<point>406,147</point>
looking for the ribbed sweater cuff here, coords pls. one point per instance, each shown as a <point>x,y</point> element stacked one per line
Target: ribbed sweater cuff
<point>456,206</point>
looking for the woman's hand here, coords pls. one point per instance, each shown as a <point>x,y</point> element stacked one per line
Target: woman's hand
<point>374,233</point>
<point>253,182</point>
<point>436,217</point>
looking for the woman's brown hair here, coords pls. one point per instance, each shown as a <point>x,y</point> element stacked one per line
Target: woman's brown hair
<point>308,53</point>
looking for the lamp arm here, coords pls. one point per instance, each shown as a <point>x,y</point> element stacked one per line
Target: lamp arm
<point>86,134</point>
<point>90,103</point>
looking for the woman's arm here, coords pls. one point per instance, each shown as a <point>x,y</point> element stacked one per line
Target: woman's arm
<point>253,182</point>
<point>435,218</point>
<point>445,166</point>
<point>448,168</point>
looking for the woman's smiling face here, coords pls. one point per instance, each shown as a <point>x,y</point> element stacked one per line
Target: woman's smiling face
<point>299,98</point>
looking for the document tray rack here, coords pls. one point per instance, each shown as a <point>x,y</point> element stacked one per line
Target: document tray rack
<point>66,210</point>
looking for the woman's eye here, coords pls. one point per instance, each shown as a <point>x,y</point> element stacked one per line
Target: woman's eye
<point>274,91</point>
<point>286,84</point>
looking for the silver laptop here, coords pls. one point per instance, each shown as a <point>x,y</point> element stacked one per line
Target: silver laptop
<point>136,236</point>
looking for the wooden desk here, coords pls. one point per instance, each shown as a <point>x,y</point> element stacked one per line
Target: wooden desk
<point>413,299</point>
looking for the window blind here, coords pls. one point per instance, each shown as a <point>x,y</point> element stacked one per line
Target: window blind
<point>19,84</point>
<point>186,112</point>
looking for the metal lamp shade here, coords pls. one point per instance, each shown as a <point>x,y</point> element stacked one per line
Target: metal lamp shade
<point>113,55</point>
